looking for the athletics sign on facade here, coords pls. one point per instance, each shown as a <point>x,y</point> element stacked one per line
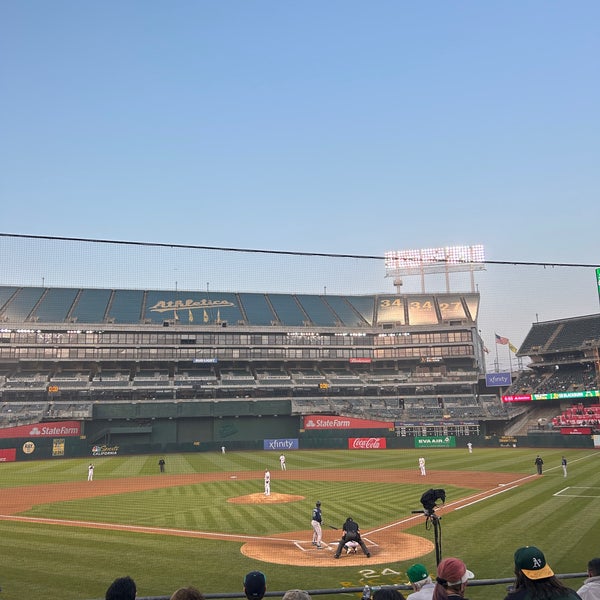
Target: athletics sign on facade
<point>333,422</point>
<point>38,430</point>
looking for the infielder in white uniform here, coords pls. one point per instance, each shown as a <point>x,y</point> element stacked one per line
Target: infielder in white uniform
<point>91,472</point>
<point>282,461</point>
<point>422,466</point>
<point>267,482</point>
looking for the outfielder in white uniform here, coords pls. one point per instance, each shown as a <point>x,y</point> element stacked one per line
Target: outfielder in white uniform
<point>282,461</point>
<point>267,482</point>
<point>422,466</point>
<point>91,472</point>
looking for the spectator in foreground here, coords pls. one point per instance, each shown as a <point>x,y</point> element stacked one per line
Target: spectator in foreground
<point>255,585</point>
<point>421,583</point>
<point>122,588</point>
<point>296,595</point>
<point>387,594</point>
<point>451,580</point>
<point>590,590</point>
<point>534,579</point>
<point>187,593</point>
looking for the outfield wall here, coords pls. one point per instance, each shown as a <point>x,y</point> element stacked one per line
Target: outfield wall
<point>124,436</point>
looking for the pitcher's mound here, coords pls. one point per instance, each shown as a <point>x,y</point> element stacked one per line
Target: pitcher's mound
<point>262,499</point>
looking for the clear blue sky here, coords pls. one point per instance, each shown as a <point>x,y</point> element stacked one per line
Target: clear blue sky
<point>324,126</point>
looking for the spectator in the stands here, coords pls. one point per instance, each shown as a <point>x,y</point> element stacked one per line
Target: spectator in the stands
<point>187,593</point>
<point>421,583</point>
<point>255,585</point>
<point>296,595</point>
<point>451,580</point>
<point>122,588</point>
<point>387,593</point>
<point>590,590</point>
<point>534,579</point>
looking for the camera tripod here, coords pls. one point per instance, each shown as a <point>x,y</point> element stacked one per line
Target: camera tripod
<point>433,521</point>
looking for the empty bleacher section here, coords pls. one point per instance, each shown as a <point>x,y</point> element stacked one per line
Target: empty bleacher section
<point>564,335</point>
<point>118,378</point>
<point>21,413</point>
<point>26,381</point>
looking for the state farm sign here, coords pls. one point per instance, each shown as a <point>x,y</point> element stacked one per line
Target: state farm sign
<point>38,430</point>
<point>339,422</point>
<point>366,443</point>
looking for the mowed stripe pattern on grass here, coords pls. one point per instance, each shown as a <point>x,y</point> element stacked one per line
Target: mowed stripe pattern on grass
<point>73,563</point>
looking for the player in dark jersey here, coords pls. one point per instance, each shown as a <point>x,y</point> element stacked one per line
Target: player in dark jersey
<point>316,521</point>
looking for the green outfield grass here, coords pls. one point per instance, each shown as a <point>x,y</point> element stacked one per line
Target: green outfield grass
<point>71,563</point>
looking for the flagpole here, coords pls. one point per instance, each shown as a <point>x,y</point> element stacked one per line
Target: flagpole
<point>509,358</point>
<point>497,363</point>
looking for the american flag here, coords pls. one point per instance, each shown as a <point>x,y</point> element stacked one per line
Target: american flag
<point>501,340</point>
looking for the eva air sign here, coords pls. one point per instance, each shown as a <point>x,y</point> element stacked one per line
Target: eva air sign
<point>442,441</point>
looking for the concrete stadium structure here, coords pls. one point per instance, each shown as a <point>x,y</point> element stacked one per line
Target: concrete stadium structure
<point>146,371</point>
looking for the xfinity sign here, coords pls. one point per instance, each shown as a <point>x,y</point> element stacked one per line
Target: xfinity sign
<point>283,444</point>
<point>498,379</point>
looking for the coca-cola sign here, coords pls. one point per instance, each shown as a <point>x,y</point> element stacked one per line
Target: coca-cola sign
<point>367,443</point>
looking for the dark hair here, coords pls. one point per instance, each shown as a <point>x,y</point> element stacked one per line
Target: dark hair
<point>440,591</point>
<point>594,567</point>
<point>122,588</point>
<point>386,593</point>
<point>539,589</point>
<point>187,593</point>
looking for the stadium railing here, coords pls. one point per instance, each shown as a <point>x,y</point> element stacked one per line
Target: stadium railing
<point>400,587</point>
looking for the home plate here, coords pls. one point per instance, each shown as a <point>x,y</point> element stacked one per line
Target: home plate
<point>233,477</point>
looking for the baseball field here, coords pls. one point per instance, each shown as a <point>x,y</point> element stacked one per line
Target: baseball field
<point>206,522</point>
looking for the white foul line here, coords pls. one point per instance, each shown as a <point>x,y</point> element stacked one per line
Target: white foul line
<point>513,485</point>
<point>490,496</point>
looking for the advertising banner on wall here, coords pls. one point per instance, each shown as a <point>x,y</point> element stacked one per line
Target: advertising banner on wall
<point>105,450</point>
<point>576,430</point>
<point>444,441</point>
<point>8,454</point>
<point>374,443</point>
<point>332,422</point>
<point>498,379</point>
<point>38,430</point>
<point>281,444</point>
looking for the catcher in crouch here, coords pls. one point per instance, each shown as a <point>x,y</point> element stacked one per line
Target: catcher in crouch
<point>351,534</point>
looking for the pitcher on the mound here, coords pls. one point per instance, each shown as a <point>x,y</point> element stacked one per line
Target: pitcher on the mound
<point>267,482</point>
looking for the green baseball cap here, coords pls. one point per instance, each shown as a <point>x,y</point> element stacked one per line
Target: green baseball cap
<point>532,562</point>
<point>417,573</point>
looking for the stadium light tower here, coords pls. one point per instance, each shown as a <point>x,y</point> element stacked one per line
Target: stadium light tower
<point>450,259</point>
